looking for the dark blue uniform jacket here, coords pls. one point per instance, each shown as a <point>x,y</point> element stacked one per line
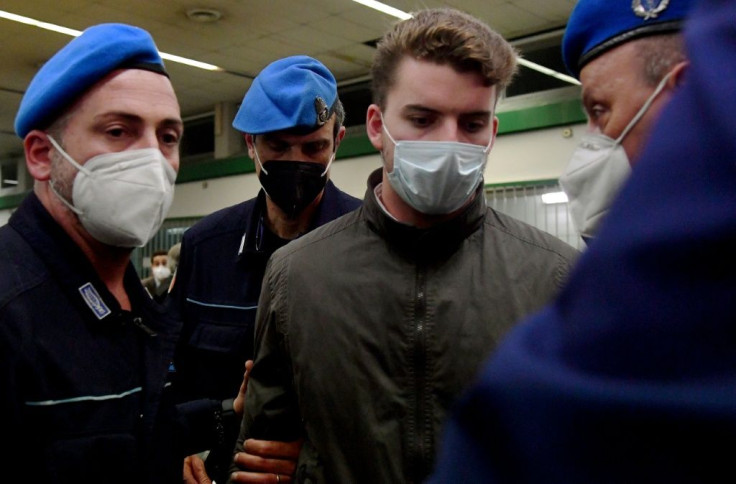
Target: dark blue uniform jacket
<point>218,283</point>
<point>84,394</point>
<point>630,376</point>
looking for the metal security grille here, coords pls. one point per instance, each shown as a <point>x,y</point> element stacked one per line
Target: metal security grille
<point>169,234</point>
<point>524,202</point>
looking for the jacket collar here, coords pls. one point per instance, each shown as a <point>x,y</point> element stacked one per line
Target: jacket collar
<point>70,267</point>
<point>443,238</point>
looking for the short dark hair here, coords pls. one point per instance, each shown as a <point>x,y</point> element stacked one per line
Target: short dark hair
<point>444,36</point>
<point>660,54</point>
<point>157,253</point>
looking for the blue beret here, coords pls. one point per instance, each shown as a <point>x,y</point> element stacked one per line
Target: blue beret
<point>80,64</point>
<point>596,26</point>
<point>294,92</point>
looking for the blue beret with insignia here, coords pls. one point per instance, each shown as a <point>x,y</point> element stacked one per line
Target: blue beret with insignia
<point>596,26</point>
<point>294,92</point>
<point>79,65</point>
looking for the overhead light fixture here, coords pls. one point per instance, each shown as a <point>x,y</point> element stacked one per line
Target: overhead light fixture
<point>554,197</point>
<point>395,12</point>
<point>388,9</point>
<point>77,33</point>
<point>548,71</point>
<point>203,15</point>
<point>190,62</point>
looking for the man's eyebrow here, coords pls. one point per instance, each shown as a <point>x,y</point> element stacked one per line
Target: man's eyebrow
<point>134,118</point>
<point>424,109</point>
<point>118,114</point>
<point>173,123</point>
<point>419,108</point>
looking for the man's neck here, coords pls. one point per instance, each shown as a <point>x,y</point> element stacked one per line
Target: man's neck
<point>110,263</point>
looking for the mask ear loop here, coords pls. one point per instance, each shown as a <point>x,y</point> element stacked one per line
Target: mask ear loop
<point>332,158</point>
<point>385,130</point>
<point>76,165</point>
<point>66,156</point>
<point>645,107</point>
<point>258,158</point>
<point>487,149</point>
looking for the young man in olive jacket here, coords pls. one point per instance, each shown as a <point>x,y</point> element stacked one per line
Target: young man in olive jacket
<point>370,327</point>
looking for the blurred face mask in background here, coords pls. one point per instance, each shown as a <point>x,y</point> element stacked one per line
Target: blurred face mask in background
<point>160,272</point>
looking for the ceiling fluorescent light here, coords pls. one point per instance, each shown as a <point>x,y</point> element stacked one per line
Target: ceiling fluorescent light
<point>190,62</point>
<point>382,7</point>
<point>76,33</point>
<point>554,197</point>
<point>548,71</point>
<point>39,24</point>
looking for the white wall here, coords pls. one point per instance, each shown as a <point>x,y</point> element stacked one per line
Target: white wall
<point>4,216</point>
<point>533,155</point>
<point>516,157</point>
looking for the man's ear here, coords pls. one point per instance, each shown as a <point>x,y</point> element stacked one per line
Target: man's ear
<point>495,133</point>
<point>250,142</point>
<point>37,149</point>
<point>374,126</point>
<point>678,74</point>
<point>339,137</point>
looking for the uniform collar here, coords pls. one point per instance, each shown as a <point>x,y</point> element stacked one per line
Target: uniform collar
<point>258,241</point>
<point>74,273</point>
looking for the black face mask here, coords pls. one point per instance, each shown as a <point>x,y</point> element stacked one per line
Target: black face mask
<point>292,185</point>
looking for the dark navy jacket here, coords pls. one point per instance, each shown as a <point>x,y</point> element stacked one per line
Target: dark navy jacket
<point>218,283</point>
<point>84,392</point>
<point>630,376</point>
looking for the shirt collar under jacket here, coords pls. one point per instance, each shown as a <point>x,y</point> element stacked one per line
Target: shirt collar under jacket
<point>429,243</point>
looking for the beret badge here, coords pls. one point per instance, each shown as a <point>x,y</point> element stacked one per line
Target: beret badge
<point>320,107</point>
<point>647,8</point>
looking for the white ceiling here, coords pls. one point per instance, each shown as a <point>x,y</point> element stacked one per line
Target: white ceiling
<point>249,35</point>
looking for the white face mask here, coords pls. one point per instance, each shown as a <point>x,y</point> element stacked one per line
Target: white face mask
<point>121,198</point>
<point>161,272</point>
<point>436,177</point>
<point>597,170</point>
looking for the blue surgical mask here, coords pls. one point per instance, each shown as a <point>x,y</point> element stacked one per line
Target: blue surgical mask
<point>436,177</point>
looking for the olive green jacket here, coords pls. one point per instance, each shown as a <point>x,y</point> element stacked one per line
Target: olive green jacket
<point>368,330</point>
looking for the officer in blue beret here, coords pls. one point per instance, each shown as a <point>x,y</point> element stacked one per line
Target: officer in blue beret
<point>84,350</point>
<point>629,57</point>
<point>630,375</point>
<point>292,121</point>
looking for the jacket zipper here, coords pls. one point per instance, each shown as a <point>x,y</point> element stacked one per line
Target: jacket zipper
<point>421,440</point>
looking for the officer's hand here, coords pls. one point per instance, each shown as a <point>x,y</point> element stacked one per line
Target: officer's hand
<point>239,401</point>
<point>264,461</point>
<point>194,472</point>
